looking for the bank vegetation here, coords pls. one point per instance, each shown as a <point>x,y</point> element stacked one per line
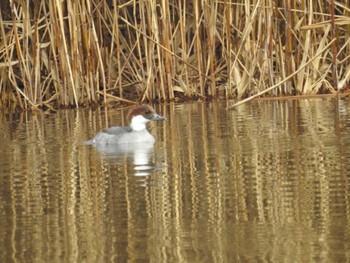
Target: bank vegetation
<point>79,53</point>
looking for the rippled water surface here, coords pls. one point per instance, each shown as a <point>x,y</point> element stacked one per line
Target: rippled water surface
<point>268,182</point>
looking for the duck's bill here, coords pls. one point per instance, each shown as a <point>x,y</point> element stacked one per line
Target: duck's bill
<point>157,117</point>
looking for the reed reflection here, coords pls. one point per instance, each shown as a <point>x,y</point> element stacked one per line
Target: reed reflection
<point>266,182</point>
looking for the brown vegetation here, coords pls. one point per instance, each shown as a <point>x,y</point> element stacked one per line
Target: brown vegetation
<point>73,53</point>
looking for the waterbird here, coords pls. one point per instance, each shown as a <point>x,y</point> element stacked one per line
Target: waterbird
<point>135,132</point>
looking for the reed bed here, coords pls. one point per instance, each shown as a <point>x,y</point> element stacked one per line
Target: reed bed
<point>78,53</point>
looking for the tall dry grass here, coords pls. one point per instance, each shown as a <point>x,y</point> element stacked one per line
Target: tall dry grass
<point>73,53</point>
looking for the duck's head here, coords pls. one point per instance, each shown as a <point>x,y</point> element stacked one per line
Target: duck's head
<point>140,115</point>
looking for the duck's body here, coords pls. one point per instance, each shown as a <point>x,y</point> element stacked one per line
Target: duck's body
<point>136,132</point>
<point>117,135</point>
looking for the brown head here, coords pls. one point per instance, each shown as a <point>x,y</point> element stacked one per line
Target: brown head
<point>140,115</point>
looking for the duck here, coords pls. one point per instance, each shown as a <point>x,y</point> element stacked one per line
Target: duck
<point>135,133</point>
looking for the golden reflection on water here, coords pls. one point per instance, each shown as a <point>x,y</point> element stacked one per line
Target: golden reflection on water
<point>267,182</point>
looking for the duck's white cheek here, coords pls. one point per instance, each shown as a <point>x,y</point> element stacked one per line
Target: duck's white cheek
<point>138,123</point>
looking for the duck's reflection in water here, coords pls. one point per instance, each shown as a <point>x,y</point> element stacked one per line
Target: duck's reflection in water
<point>139,155</point>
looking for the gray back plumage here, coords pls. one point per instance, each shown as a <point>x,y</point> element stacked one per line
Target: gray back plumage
<point>118,130</point>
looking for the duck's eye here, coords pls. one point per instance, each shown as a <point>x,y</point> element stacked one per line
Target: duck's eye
<point>148,112</point>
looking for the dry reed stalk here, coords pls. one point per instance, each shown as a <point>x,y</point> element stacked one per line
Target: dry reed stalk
<point>161,46</point>
<point>65,55</point>
<point>210,18</point>
<point>268,59</point>
<point>198,17</point>
<point>244,76</point>
<point>155,31</point>
<point>289,38</point>
<point>74,53</point>
<point>99,55</point>
<point>116,36</point>
<point>228,44</point>
<point>286,79</point>
<point>166,37</point>
<point>334,46</point>
<point>183,71</point>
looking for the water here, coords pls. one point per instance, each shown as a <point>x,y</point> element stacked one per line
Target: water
<point>268,182</point>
